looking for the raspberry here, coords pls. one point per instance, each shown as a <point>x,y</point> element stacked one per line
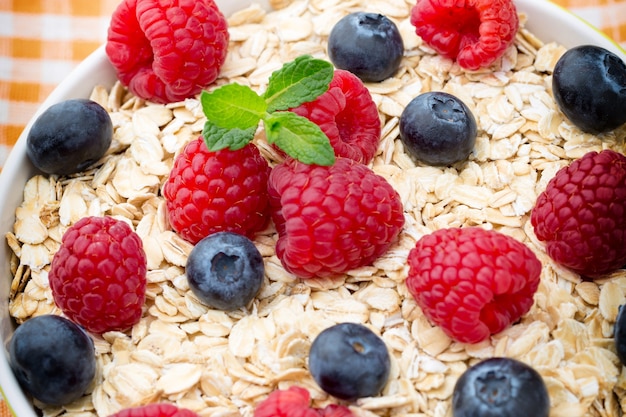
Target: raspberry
<point>295,402</point>
<point>472,282</point>
<point>331,219</point>
<point>98,275</point>
<point>209,192</point>
<point>347,114</point>
<point>155,410</point>
<point>167,50</point>
<point>581,215</point>
<point>474,32</point>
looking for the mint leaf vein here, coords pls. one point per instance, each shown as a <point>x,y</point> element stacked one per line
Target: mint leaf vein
<point>233,112</point>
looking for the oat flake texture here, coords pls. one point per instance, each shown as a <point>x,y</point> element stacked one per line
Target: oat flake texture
<point>223,364</point>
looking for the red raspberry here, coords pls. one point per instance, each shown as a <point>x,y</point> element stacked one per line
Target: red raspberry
<point>472,282</point>
<point>581,215</point>
<point>332,219</point>
<point>167,50</point>
<point>347,114</point>
<point>209,192</point>
<point>98,275</point>
<point>474,32</point>
<point>155,410</point>
<point>295,402</point>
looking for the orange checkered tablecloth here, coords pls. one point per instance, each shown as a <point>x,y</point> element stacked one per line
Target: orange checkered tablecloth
<point>42,40</point>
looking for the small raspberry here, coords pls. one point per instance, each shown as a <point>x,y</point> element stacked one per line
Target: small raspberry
<point>472,282</point>
<point>98,275</point>
<point>167,50</point>
<point>347,114</point>
<point>295,402</point>
<point>155,410</point>
<point>332,219</point>
<point>581,215</point>
<point>210,192</point>
<point>474,32</point>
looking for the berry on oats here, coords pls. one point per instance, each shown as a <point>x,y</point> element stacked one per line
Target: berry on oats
<point>498,387</point>
<point>437,128</point>
<point>69,136</point>
<point>98,275</point>
<point>619,334</point>
<point>155,410</point>
<point>332,219</point>
<point>347,114</point>
<point>581,215</point>
<point>473,32</point>
<point>52,358</point>
<point>167,51</point>
<point>349,361</point>
<point>225,190</point>
<point>295,401</point>
<point>472,282</point>
<point>589,86</point>
<point>368,45</point>
<point>225,270</point>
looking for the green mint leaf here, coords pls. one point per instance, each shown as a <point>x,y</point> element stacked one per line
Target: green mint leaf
<point>299,137</point>
<point>297,82</point>
<point>233,106</point>
<point>217,138</point>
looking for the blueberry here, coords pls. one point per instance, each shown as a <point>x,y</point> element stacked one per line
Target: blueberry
<point>69,136</point>
<point>500,387</point>
<point>438,129</point>
<point>619,334</point>
<point>53,359</point>
<point>349,361</point>
<point>589,86</point>
<point>225,270</point>
<point>368,45</point>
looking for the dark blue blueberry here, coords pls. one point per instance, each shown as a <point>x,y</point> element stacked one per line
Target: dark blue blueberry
<point>500,387</point>
<point>437,128</point>
<point>589,86</point>
<point>225,270</point>
<point>53,359</point>
<point>367,44</point>
<point>69,136</point>
<point>619,334</point>
<point>349,361</point>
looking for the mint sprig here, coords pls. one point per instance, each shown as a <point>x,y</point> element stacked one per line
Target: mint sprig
<point>234,111</point>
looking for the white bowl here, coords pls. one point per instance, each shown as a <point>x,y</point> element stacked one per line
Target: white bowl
<point>546,20</point>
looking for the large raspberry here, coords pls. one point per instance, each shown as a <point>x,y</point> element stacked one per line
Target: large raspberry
<point>472,282</point>
<point>581,215</point>
<point>347,114</point>
<point>209,192</point>
<point>295,402</point>
<point>167,50</point>
<point>474,32</point>
<point>155,410</point>
<point>98,275</point>
<point>332,219</point>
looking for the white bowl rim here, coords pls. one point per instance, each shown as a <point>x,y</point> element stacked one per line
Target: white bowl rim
<point>547,17</point>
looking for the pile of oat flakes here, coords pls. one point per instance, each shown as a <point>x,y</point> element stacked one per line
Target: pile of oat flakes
<point>222,364</point>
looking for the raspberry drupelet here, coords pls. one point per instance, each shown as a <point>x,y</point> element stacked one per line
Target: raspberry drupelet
<point>213,191</point>
<point>581,215</point>
<point>475,33</point>
<point>332,219</point>
<point>98,275</point>
<point>167,50</point>
<point>472,282</point>
<point>348,115</point>
<point>155,410</point>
